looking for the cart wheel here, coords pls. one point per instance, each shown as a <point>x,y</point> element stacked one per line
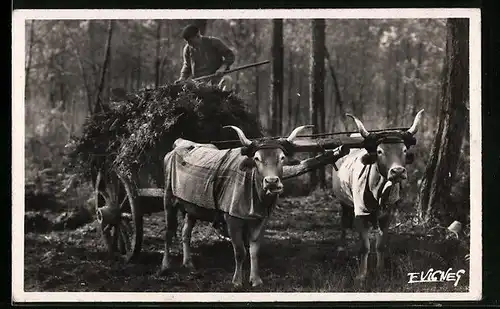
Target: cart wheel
<point>121,222</point>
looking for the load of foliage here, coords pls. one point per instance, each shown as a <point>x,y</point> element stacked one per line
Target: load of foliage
<point>135,133</point>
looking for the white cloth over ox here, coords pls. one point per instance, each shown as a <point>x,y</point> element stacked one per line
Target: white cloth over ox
<point>353,176</point>
<point>211,178</point>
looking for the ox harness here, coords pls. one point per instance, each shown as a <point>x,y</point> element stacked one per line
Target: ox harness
<point>372,202</point>
<point>282,144</point>
<point>371,143</point>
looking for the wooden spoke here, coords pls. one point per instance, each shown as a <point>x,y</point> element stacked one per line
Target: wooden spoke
<point>121,220</point>
<point>125,198</point>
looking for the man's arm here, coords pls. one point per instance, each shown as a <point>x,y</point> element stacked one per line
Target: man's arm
<point>225,52</point>
<point>186,64</point>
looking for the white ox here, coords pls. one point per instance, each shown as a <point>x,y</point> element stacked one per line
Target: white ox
<point>252,177</point>
<point>367,186</point>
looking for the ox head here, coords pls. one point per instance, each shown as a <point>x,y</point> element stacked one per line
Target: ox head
<point>268,157</point>
<point>390,150</point>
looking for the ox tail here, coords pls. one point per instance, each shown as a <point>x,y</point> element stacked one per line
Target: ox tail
<point>169,204</point>
<point>167,172</point>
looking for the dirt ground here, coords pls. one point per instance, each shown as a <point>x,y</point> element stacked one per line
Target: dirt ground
<point>298,255</point>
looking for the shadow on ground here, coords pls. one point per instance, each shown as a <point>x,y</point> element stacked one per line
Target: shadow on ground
<point>298,255</point>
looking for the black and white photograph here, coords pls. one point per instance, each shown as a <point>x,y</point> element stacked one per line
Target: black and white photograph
<point>246,155</point>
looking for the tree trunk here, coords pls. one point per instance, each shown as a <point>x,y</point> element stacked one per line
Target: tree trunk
<point>52,82</point>
<point>406,92</point>
<point>256,70</point>
<point>435,190</point>
<point>138,81</point>
<point>62,85</point>
<point>29,58</point>
<point>316,87</point>
<point>165,68</point>
<point>86,80</point>
<point>388,89</point>
<point>99,106</point>
<point>416,101</point>
<point>299,100</point>
<point>397,94</point>
<point>358,105</point>
<point>276,75</point>
<point>290,90</point>
<point>109,78</point>
<point>159,24</point>
<point>338,98</point>
<point>93,29</point>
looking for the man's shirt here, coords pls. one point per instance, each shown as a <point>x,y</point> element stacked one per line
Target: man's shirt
<point>206,58</point>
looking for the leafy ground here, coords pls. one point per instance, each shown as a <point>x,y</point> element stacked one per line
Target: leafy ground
<point>298,255</point>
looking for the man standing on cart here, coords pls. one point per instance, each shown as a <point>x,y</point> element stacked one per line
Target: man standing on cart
<point>205,55</point>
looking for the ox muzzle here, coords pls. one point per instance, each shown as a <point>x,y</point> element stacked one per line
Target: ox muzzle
<point>397,174</point>
<point>272,185</point>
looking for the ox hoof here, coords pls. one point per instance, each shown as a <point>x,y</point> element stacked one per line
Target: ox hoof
<point>256,282</point>
<point>164,271</point>
<point>341,252</point>
<point>188,265</point>
<point>361,278</point>
<point>238,284</point>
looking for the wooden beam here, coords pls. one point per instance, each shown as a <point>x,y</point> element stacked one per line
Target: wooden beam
<point>150,192</point>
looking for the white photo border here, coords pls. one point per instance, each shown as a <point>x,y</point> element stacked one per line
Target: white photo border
<point>18,53</point>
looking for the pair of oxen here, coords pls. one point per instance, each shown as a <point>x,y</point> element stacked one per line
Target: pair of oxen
<point>366,183</point>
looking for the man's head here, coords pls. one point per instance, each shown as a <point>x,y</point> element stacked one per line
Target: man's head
<point>191,34</point>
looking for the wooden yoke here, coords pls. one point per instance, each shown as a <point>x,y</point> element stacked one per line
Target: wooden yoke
<point>307,144</point>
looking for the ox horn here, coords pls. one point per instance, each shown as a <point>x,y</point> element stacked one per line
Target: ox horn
<point>243,139</point>
<point>361,128</point>
<point>296,131</point>
<point>414,127</point>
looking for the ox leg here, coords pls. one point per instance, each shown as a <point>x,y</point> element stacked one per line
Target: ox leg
<point>236,229</point>
<point>381,240</point>
<point>171,220</point>
<point>187,229</point>
<point>362,227</point>
<point>256,234</point>
<point>347,217</point>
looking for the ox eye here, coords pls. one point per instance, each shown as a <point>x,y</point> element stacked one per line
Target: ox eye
<point>380,151</point>
<point>404,150</point>
<point>256,159</point>
<point>282,158</point>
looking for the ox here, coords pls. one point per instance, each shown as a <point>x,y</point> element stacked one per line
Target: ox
<point>253,171</point>
<point>367,186</point>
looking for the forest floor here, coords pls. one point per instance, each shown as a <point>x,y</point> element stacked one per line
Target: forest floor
<point>298,255</point>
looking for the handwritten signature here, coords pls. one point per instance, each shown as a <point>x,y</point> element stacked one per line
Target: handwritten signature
<point>436,276</point>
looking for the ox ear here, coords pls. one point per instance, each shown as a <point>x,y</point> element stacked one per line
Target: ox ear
<point>247,164</point>
<point>410,157</point>
<point>369,158</point>
<point>291,161</point>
